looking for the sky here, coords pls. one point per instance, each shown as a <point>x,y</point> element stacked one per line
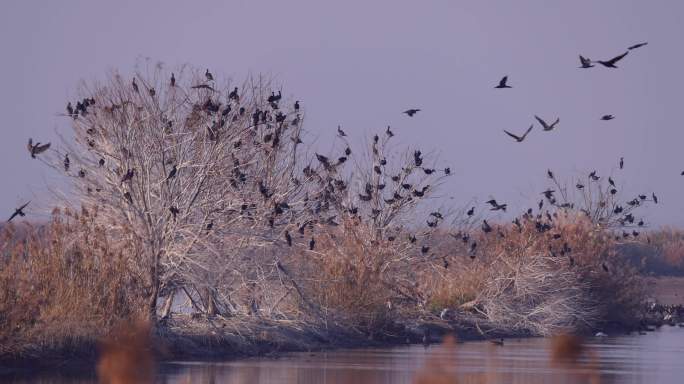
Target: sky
<point>359,64</point>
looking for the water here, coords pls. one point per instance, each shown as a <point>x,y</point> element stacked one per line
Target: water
<point>657,357</point>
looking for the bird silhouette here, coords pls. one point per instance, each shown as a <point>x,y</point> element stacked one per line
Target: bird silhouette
<point>622,162</point>
<point>296,105</point>
<point>288,238</point>
<point>607,117</point>
<point>340,132</point>
<point>135,86</point>
<point>37,148</point>
<point>128,197</point>
<point>208,75</point>
<point>549,174</point>
<point>611,63</point>
<point>174,211</point>
<point>639,45</point>
<point>70,109</point>
<point>655,198</point>
<point>323,159</point>
<point>172,173</point>
<point>447,171</point>
<point>67,162</point>
<point>101,162</point>
<point>233,95</point>
<point>486,228</point>
<point>471,211</point>
<point>585,61</point>
<point>129,175</point>
<point>152,92</point>
<point>593,176</point>
<point>545,125</point>
<point>502,83</point>
<point>173,80</point>
<point>471,251</point>
<point>517,138</point>
<point>312,244</point>
<point>610,181</point>
<point>19,212</point>
<point>411,112</point>
<point>389,132</point>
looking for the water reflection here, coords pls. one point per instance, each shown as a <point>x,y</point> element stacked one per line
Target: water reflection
<point>653,358</point>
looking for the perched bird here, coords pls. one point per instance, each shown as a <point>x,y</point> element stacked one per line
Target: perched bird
<point>288,238</point>
<point>610,181</point>
<point>135,86</point>
<point>579,185</point>
<point>502,83</point>
<point>347,151</point>
<point>611,63</point>
<point>545,125</point>
<point>447,171</point>
<point>296,105</point>
<point>622,163</point>
<point>517,138</point>
<point>486,228</point>
<point>210,225</point>
<point>549,174</point>
<point>389,132</point>
<point>70,109</point>
<point>128,197</point>
<point>585,61</point>
<point>312,244</point>
<point>639,45</point>
<point>323,159</point>
<point>208,75</point>
<point>340,132</point>
<point>129,175</point>
<point>655,198</point>
<point>607,117</point>
<point>152,92</point>
<point>67,162</point>
<point>424,249</point>
<point>593,176</point>
<point>37,148</point>
<point>101,162</point>
<point>173,172</point>
<point>471,211</point>
<point>411,112</point>
<point>174,211</point>
<point>173,80</point>
<point>19,212</point>
<point>233,95</point>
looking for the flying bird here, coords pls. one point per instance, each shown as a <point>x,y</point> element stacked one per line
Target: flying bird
<point>37,148</point>
<point>517,138</point>
<point>607,117</point>
<point>411,112</point>
<point>502,83</point>
<point>19,212</point>
<point>639,45</point>
<point>545,125</point>
<point>611,63</point>
<point>586,62</point>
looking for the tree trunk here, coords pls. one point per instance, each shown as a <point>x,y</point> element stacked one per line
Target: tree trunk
<point>168,304</point>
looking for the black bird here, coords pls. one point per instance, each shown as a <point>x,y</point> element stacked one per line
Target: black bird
<point>209,76</point>
<point>233,94</point>
<point>655,198</point>
<point>347,151</point>
<point>375,139</point>
<point>545,125</point>
<point>579,185</point>
<point>312,244</point>
<point>585,61</point>
<point>70,109</point>
<point>129,175</point>
<point>424,249</point>
<point>411,112</point>
<point>548,194</point>
<point>611,63</point>
<point>173,80</point>
<point>174,212</point>
<point>296,105</point>
<point>593,176</point>
<point>502,83</point>
<point>210,225</point>
<point>81,172</point>
<point>471,211</point>
<point>622,162</point>
<point>639,45</point>
<point>417,159</point>
<point>173,172</point>
<point>549,174</point>
<point>101,162</point>
<point>486,228</point>
<point>340,132</point>
<point>447,171</point>
<point>37,148</point>
<point>135,86</point>
<point>517,138</point>
<point>473,246</point>
<point>128,197</point>
<point>288,238</point>
<point>323,159</point>
<point>389,132</point>
<point>610,181</point>
<point>67,162</point>
<point>152,92</point>
<point>19,212</point>
<point>377,169</point>
<point>607,117</point>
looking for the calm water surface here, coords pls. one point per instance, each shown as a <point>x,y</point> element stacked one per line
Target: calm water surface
<point>657,357</point>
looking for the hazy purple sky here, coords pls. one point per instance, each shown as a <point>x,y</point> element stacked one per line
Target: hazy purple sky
<point>360,63</point>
